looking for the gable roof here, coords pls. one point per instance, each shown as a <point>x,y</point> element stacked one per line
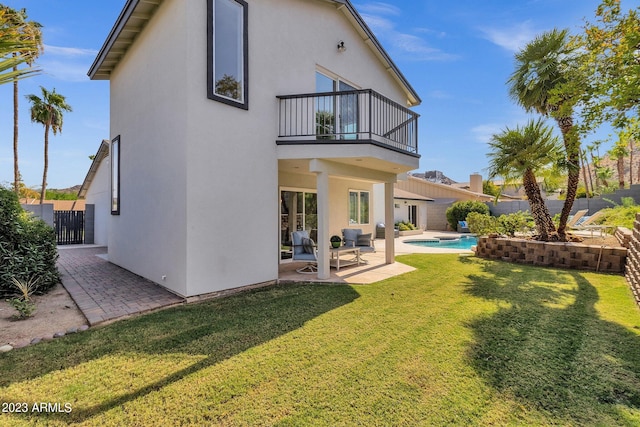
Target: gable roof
<point>103,151</point>
<point>136,13</point>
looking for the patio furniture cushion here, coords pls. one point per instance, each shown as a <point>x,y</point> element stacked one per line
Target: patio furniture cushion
<point>351,236</point>
<point>296,240</point>
<point>363,240</point>
<point>308,245</point>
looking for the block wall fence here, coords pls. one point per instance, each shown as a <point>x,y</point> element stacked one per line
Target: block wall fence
<point>632,272</point>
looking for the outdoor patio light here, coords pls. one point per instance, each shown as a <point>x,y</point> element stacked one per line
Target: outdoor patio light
<point>341,46</point>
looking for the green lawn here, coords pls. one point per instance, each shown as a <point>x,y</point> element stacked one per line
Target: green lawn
<point>460,341</point>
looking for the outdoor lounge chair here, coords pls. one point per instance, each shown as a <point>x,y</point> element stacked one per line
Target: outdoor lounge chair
<point>463,227</point>
<point>587,223</point>
<point>304,249</point>
<point>355,237</point>
<point>575,218</point>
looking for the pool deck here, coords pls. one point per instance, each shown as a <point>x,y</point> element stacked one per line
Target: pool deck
<point>375,268</point>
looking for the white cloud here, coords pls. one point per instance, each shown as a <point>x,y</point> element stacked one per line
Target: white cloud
<point>483,133</point>
<point>379,8</point>
<point>67,63</point>
<point>440,94</point>
<point>402,44</point>
<point>513,38</point>
<point>68,71</point>
<point>68,51</point>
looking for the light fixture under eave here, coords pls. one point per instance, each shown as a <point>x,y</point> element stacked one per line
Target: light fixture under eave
<point>341,46</point>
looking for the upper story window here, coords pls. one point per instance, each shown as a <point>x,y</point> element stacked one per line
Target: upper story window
<point>227,52</point>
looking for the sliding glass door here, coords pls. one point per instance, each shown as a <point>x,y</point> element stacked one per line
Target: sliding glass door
<point>298,211</point>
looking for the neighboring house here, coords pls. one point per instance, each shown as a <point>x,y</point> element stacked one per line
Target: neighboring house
<point>443,196</point>
<point>411,207</point>
<point>235,123</point>
<point>95,191</point>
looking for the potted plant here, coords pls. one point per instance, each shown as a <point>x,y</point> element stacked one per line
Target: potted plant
<point>336,241</point>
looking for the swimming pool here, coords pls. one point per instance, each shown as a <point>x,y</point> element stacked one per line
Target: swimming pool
<point>463,242</point>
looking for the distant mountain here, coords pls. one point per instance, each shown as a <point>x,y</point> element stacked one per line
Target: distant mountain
<point>434,176</point>
<point>71,190</point>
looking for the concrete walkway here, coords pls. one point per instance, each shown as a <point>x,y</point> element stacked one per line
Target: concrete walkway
<point>105,292</point>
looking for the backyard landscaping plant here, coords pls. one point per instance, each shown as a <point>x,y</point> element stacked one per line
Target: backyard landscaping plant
<point>459,341</point>
<point>459,211</point>
<point>27,248</point>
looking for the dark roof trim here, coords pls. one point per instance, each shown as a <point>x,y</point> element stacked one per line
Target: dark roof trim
<point>99,71</point>
<point>122,20</point>
<point>103,152</point>
<point>383,53</point>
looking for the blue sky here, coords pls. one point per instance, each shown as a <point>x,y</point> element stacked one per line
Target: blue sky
<point>457,55</point>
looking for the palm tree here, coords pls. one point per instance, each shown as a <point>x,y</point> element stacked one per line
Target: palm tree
<point>28,31</point>
<point>619,152</point>
<point>542,72</point>
<point>523,152</point>
<point>48,111</point>
<point>12,40</point>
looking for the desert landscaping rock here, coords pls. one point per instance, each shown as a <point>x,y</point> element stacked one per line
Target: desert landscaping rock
<point>5,348</point>
<point>59,334</point>
<point>36,340</point>
<point>83,328</point>
<point>72,330</point>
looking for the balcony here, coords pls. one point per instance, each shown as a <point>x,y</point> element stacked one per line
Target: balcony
<point>348,117</point>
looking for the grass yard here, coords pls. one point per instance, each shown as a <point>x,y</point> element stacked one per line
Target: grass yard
<point>460,341</point>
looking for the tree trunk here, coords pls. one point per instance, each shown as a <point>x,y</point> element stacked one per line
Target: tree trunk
<point>620,166</point>
<point>16,171</point>
<point>589,173</point>
<point>572,148</point>
<point>46,163</point>
<point>584,173</point>
<point>544,224</point>
<point>630,161</point>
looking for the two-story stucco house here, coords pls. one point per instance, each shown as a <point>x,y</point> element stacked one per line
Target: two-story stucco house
<point>236,122</point>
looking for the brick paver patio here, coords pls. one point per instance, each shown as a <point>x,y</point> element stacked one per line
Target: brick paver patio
<point>104,291</point>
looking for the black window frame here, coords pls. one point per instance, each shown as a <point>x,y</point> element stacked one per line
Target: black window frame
<point>115,174</point>
<point>244,104</point>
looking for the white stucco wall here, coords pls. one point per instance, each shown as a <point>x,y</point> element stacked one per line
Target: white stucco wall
<point>199,181</point>
<point>149,112</point>
<point>98,195</point>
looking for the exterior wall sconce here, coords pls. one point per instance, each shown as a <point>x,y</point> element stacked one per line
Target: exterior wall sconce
<point>341,46</point>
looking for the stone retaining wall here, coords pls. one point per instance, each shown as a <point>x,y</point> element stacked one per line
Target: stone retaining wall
<point>556,254</point>
<point>633,262</point>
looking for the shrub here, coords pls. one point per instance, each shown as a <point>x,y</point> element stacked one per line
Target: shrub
<point>27,247</point>
<point>405,226</point>
<point>510,224</point>
<point>23,303</point>
<point>515,222</point>
<point>459,211</point>
<point>482,224</point>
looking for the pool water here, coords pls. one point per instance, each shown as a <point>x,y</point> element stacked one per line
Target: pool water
<point>464,242</point>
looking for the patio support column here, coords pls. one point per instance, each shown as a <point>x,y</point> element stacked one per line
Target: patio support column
<point>322,183</point>
<point>389,224</point>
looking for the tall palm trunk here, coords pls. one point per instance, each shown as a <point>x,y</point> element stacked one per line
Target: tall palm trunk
<point>572,149</point>
<point>46,163</point>
<point>539,211</point>
<point>620,167</point>
<point>630,161</point>
<point>16,171</point>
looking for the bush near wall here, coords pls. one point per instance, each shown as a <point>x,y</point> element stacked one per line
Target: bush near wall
<point>459,211</point>
<point>27,247</point>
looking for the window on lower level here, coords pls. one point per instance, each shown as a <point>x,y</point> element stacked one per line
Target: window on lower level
<point>115,176</point>
<point>358,207</point>
<point>228,48</point>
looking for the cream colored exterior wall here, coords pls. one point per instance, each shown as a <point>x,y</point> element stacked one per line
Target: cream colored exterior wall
<point>99,196</point>
<point>401,212</point>
<point>199,180</point>
<point>339,196</point>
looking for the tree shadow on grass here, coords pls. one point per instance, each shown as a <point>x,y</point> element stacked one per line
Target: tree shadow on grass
<point>217,329</point>
<point>547,346</point>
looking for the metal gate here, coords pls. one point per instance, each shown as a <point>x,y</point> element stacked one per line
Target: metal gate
<point>69,227</point>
